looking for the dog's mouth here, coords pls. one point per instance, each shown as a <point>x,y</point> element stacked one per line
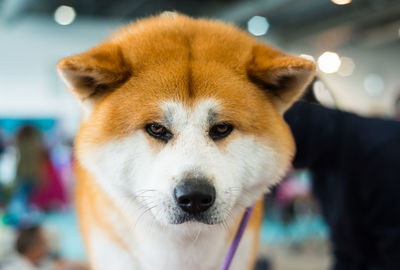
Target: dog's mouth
<point>176,216</point>
<point>204,218</point>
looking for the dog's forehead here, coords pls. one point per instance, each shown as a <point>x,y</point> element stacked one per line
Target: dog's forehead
<point>156,40</point>
<point>201,113</point>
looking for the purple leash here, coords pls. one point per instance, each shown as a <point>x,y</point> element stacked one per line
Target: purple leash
<point>238,237</point>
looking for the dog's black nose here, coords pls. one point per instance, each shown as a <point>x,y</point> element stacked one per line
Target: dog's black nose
<point>194,195</point>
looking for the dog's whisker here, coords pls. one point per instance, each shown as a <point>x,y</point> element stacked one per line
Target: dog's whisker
<point>144,191</point>
<point>197,236</point>
<point>143,213</point>
<point>224,226</point>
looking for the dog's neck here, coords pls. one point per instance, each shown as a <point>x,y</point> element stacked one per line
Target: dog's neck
<point>204,249</point>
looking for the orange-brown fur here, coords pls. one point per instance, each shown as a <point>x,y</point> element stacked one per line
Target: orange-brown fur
<point>93,205</point>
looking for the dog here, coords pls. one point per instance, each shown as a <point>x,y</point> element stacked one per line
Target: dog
<point>182,130</point>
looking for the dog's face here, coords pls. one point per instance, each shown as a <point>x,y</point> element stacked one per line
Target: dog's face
<point>183,117</point>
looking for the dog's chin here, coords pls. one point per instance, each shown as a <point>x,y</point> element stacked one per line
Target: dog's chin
<point>170,215</point>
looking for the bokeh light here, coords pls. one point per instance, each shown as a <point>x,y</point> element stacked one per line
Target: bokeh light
<point>64,15</point>
<point>323,94</point>
<point>341,2</point>
<point>258,25</point>
<point>374,85</point>
<point>329,62</point>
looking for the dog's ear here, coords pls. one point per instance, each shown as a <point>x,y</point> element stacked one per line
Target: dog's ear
<point>283,77</point>
<point>93,73</point>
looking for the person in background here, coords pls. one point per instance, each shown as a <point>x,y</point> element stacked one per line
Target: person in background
<point>32,253</point>
<point>37,184</point>
<point>31,249</point>
<point>29,143</point>
<point>29,174</point>
<point>50,194</point>
<point>354,162</point>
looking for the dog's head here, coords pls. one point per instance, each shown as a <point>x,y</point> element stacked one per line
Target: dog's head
<point>183,117</point>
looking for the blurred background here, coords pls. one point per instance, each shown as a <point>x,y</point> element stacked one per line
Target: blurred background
<point>356,45</point>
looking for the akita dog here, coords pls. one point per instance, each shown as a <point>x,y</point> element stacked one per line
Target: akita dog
<point>182,130</point>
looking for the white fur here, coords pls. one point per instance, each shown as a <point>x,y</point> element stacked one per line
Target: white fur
<point>141,181</point>
<point>155,248</point>
<point>106,255</point>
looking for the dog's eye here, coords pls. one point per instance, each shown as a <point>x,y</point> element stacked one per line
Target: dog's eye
<point>220,131</point>
<point>159,132</point>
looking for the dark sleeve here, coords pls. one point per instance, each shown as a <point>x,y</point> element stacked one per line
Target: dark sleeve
<point>315,130</point>
<point>380,188</point>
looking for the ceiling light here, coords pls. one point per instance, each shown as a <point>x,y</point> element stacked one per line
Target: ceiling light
<point>258,25</point>
<point>341,2</point>
<point>64,15</point>
<point>329,62</point>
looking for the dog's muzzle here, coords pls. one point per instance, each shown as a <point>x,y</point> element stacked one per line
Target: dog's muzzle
<point>195,195</point>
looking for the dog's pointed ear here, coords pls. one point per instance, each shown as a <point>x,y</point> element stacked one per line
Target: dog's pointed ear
<point>283,77</point>
<point>93,73</point>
